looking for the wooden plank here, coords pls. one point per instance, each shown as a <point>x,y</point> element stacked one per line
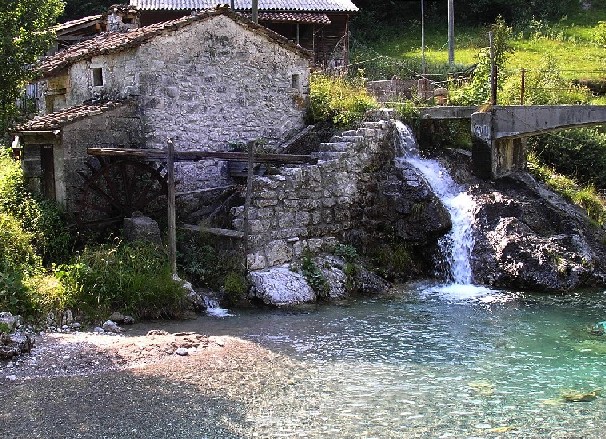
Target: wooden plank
<point>180,156</point>
<point>227,233</point>
<point>248,198</point>
<point>172,215</point>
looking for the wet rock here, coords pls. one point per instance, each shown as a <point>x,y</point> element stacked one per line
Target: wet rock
<point>98,330</point>
<point>530,238</point>
<point>368,282</point>
<point>111,326</point>
<point>15,344</point>
<point>280,286</point>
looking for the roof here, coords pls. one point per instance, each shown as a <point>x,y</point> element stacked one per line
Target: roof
<point>69,25</point>
<point>58,119</point>
<point>294,17</point>
<point>264,5</point>
<point>112,42</point>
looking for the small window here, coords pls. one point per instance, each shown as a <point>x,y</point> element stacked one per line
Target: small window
<point>296,81</point>
<point>97,77</point>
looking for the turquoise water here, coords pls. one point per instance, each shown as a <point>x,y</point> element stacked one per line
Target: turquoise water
<point>430,365</point>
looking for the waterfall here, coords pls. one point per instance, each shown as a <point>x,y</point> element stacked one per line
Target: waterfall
<point>214,309</point>
<point>457,245</point>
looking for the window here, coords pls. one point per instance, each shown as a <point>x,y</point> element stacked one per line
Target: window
<point>97,77</point>
<point>296,81</point>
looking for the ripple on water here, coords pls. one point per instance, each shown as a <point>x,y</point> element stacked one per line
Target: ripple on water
<point>428,365</point>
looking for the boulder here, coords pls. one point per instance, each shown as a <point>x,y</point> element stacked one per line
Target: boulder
<point>15,344</point>
<point>280,286</point>
<point>141,228</point>
<point>530,238</point>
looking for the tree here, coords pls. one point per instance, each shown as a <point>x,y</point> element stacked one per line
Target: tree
<point>81,8</point>
<point>24,36</point>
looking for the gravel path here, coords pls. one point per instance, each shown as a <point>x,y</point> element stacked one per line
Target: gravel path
<point>86,385</point>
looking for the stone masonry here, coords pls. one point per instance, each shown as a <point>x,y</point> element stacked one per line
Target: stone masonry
<point>313,206</point>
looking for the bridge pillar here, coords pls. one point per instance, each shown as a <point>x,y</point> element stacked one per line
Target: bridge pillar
<point>494,157</point>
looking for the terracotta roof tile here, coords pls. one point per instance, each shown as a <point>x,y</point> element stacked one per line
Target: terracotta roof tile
<point>60,118</point>
<point>112,42</point>
<point>264,5</point>
<point>294,17</point>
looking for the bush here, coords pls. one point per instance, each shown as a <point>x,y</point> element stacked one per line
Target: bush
<point>337,99</point>
<point>585,197</point>
<point>133,278</point>
<point>599,34</point>
<point>578,153</point>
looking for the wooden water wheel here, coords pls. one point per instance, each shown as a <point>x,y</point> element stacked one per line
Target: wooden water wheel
<point>114,188</point>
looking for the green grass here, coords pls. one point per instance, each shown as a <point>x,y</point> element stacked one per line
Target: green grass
<point>570,42</point>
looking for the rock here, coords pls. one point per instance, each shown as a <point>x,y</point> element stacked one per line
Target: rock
<point>128,320</point>
<point>8,322</point>
<point>367,282</point>
<point>75,325</point>
<point>332,270</point>
<point>67,318</point>
<point>15,344</point>
<point>11,377</point>
<point>280,286</point>
<point>117,317</point>
<point>182,352</point>
<point>530,238</point>
<point>141,228</point>
<point>98,330</point>
<point>111,326</point>
<point>156,332</point>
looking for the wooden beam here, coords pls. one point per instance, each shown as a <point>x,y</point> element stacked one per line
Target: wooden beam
<point>172,215</point>
<point>190,156</point>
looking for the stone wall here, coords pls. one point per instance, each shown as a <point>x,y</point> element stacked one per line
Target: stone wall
<point>313,206</point>
<point>119,127</point>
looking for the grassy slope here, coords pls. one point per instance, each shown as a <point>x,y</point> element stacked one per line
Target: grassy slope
<point>568,41</point>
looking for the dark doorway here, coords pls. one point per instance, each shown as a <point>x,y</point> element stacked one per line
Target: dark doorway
<point>47,177</point>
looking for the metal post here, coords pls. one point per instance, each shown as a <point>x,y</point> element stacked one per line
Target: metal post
<point>523,87</point>
<point>493,71</point>
<point>255,11</point>
<point>423,61</point>
<point>451,42</point>
<point>172,217</point>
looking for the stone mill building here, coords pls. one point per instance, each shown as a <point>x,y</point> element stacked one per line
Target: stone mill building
<point>209,81</point>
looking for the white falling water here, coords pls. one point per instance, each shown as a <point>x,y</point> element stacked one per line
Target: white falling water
<point>457,245</point>
<point>214,309</point>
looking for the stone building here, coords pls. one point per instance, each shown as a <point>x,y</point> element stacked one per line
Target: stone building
<point>208,81</point>
<point>321,26</point>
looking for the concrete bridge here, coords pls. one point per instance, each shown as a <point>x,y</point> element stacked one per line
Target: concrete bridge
<point>499,133</point>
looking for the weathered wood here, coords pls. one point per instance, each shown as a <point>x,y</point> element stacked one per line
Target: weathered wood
<point>172,216</point>
<point>181,156</point>
<point>227,233</point>
<point>248,199</point>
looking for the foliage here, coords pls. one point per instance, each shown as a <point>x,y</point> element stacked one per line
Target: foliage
<point>81,8</point>
<point>544,86</point>
<point>313,275</point>
<point>134,278</point>
<point>585,197</point>
<point>599,34</point>
<point>393,260</point>
<point>340,100</point>
<point>25,36</point>
<point>18,260</point>
<point>478,90</point>
<point>579,153</point>
<point>207,262</point>
<point>44,220</point>
<point>346,251</point>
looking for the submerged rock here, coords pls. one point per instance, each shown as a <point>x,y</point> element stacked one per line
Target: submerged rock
<point>280,286</point>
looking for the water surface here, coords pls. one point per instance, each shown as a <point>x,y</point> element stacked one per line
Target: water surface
<point>425,364</point>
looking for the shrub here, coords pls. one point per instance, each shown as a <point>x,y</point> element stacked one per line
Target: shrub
<point>578,153</point>
<point>599,34</point>
<point>337,99</point>
<point>134,278</point>
<point>585,197</point>
<point>313,275</point>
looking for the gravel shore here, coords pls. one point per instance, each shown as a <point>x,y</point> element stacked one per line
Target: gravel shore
<point>85,385</point>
